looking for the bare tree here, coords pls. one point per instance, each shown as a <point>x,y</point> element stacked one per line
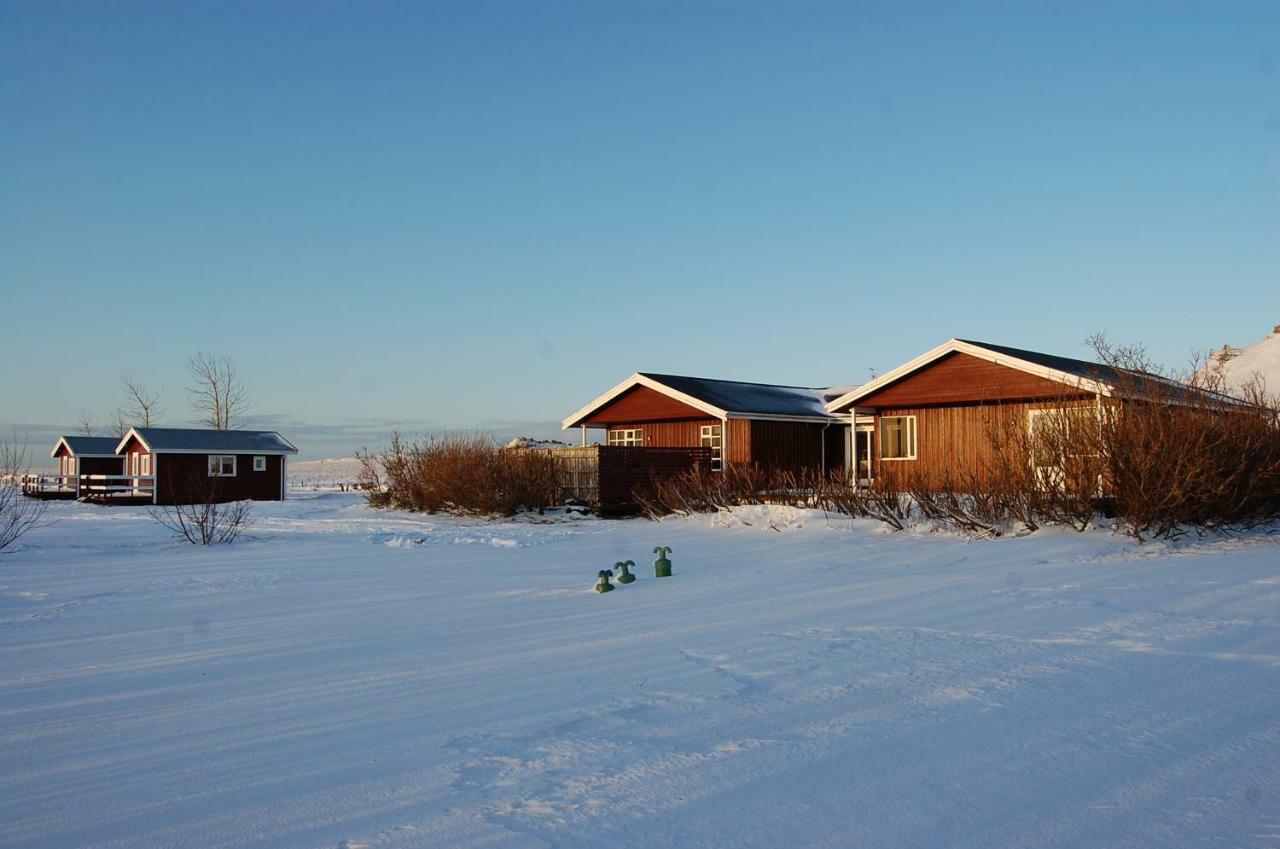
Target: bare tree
<point>217,395</point>
<point>204,519</point>
<point>18,514</point>
<point>120,422</point>
<point>140,404</point>
<point>85,423</point>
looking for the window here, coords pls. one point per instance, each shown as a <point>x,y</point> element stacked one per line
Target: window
<point>626,436</point>
<point>145,468</point>
<point>133,463</point>
<point>1064,446</point>
<point>68,465</point>
<point>222,465</point>
<point>898,438</point>
<point>259,464</point>
<point>713,437</point>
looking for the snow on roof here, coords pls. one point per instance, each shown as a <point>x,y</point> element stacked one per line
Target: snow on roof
<point>735,396</point>
<point>87,446</point>
<point>175,439</point>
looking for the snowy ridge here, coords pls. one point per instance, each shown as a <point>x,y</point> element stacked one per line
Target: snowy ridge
<point>1240,366</point>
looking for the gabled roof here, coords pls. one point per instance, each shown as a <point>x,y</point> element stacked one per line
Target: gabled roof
<point>190,440</point>
<point>1095,378</point>
<point>86,446</point>
<point>721,399</point>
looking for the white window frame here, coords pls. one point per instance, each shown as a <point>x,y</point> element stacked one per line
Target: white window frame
<point>912,437</point>
<point>260,463</point>
<point>144,464</point>
<point>216,471</point>
<point>712,436</point>
<point>627,436</point>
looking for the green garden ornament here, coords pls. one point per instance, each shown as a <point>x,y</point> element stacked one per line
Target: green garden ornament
<point>662,566</point>
<point>602,581</point>
<point>624,577</point>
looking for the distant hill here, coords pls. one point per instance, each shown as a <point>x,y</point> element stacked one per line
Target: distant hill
<point>1240,365</point>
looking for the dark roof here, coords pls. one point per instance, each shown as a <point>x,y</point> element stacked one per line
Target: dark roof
<point>1078,368</point>
<point>1140,381</point>
<point>162,439</point>
<point>734,396</point>
<point>89,445</point>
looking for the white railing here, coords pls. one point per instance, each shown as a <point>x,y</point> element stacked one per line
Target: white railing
<point>128,486</point>
<point>38,484</point>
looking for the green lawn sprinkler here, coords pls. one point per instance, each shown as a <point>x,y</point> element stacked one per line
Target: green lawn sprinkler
<point>602,581</point>
<point>624,577</point>
<point>662,566</point>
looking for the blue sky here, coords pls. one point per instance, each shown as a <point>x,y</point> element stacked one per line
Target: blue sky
<point>481,215</point>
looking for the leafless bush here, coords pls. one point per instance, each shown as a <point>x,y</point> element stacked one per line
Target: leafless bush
<point>18,513</point>
<point>1183,456</point>
<point>461,473</point>
<point>206,522</point>
<point>701,490</point>
<point>206,519</point>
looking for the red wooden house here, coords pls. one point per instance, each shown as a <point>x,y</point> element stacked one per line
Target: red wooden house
<point>776,427</point>
<point>936,413</point>
<point>174,465</point>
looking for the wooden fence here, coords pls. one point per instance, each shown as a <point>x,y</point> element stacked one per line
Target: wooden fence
<point>606,476</point>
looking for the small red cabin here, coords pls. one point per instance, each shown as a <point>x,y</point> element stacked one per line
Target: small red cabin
<point>193,465</point>
<point>78,457</point>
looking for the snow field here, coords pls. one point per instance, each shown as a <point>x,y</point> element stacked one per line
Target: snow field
<point>346,677</point>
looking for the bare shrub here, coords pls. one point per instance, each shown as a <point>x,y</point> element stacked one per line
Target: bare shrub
<point>1183,456</point>
<point>18,513</point>
<point>206,522</point>
<point>205,518</point>
<point>701,490</point>
<point>462,473</point>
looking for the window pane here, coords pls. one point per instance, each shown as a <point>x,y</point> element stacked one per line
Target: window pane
<point>897,437</point>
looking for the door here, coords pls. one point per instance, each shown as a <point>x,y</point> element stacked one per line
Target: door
<point>863,439</point>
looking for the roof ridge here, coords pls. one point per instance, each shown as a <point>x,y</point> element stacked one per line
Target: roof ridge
<point>656,375</point>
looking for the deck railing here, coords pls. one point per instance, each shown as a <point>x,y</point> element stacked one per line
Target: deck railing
<point>48,484</point>
<point>117,486</point>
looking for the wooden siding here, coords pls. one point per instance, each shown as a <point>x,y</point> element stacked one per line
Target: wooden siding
<point>623,469</point>
<point>184,479</point>
<point>102,465</point>
<point>642,404</point>
<point>673,434</point>
<point>790,446</point>
<point>793,446</point>
<point>960,378</point>
<point>955,439</point>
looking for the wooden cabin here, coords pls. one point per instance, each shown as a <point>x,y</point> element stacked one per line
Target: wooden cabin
<point>77,457</point>
<point>775,427</point>
<point>175,465</point>
<point>936,413</point>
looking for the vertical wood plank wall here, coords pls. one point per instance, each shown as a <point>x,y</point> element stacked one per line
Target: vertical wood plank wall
<point>779,445</point>
<point>955,439</point>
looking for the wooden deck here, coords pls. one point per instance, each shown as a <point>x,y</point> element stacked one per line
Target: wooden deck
<point>99,489</point>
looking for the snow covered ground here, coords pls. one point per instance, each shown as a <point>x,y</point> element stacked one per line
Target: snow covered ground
<point>344,677</point>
